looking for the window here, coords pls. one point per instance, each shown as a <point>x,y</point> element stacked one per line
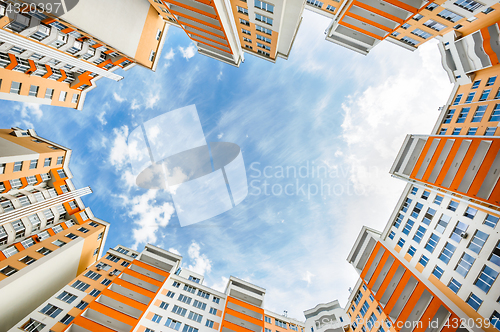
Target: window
<point>425,194</point>
<point>95,292</point>
<point>188,328</point>
<point>203,294</point>
<point>264,19</point>
<point>82,305</point>
<point>457,99</point>
<point>495,115</point>
<point>10,251</point>
<point>401,242</point>
<point>485,95</point>
<point>442,223</point>
<point>398,220</point>
<point>454,285</point>
<point>44,251</point>
<point>242,10</point>
<point>330,8</point>
<point>371,321</point>
<point>406,204</point>
<point>213,311</point>
<point>423,260</point>
<point>67,319</point>
<point>18,166</point>
<point>438,272</point>
<point>216,300</point>
<point>486,278</point>
<point>112,258</point>
<point>263,53</point>
<point>464,264</point>
<point>405,26</point>
<point>315,3</point>
<point>447,252</point>
<point>80,285</point>
<point>449,15</point>
<point>491,81</point>
<point>264,6</point>
<point>156,318</point>
<point>264,30</point>
<point>418,17</point>
<point>431,6</point>
<point>363,310</point>
<point>431,243</point>
<point>72,205</point>
<point>408,226</point>
<point>268,319</point>
<point>59,243</point>
<point>47,162</point>
<point>173,324</point>
<point>106,281</point>
<point>199,305</point>
<point>33,326</point>
<point>419,234</point>
<point>84,230</point>
<point>414,190</point>
<point>51,310</point>
<point>279,323</point>
<point>421,33</point>
<point>410,41</point>
<point>491,221</point>
<point>15,88</point>
<point>495,255</point>
<point>478,116</point>
<point>416,210</point>
<point>395,34</point>
<point>194,316</point>
<point>152,55</point>
<point>27,260</point>
<point>475,85</point>
<point>8,270</point>
<point>463,114</point>
<point>179,311</point>
<point>264,39</point>
<point>452,206</point>
<point>428,216</point>
<point>459,229</point>
<point>469,5</point>
<point>470,212</point>
<point>490,131</point>
<point>189,289</point>
<point>71,236</point>
<point>184,298</point>
<point>209,323</point>
<point>66,297</point>
<point>411,251</point>
<point>62,96</point>
<point>245,22</point>
<point>487,10</point>
<point>176,284</point>
<point>246,32</point>
<point>391,235</point>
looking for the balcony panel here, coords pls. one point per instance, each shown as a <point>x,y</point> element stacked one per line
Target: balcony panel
<point>403,298</point>
<point>146,272</point>
<point>457,162</point>
<point>106,321</point>
<point>119,306</point>
<point>373,17</point>
<point>474,166</point>
<point>387,8</point>
<point>364,26</point>
<point>438,321</point>
<point>417,311</point>
<point>392,285</point>
<point>427,160</point>
<point>383,273</point>
<point>140,283</point>
<point>130,293</point>
<point>243,323</point>
<point>244,310</point>
<point>438,166</point>
<point>490,180</point>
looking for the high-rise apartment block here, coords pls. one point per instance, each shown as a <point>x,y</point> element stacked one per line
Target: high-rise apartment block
<point>47,235</point>
<point>149,291</point>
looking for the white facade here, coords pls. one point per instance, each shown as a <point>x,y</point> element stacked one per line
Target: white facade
<point>327,317</point>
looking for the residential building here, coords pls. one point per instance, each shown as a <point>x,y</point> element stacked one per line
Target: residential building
<point>361,24</point>
<point>327,317</point>
<point>47,235</point>
<point>462,167</point>
<point>56,60</point>
<point>147,291</point>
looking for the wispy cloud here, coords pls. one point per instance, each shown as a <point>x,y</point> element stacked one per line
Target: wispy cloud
<point>170,54</point>
<point>188,52</point>
<point>118,98</point>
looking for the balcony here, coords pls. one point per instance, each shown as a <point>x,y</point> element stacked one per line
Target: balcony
<point>119,306</point>
<point>246,292</point>
<point>138,282</point>
<point>130,294</point>
<point>159,258</point>
<point>147,273</point>
<point>107,321</point>
<point>363,248</point>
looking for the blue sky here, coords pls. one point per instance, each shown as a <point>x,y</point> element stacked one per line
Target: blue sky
<point>325,108</point>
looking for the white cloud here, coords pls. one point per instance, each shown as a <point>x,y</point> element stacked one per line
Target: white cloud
<point>118,98</point>
<point>152,99</point>
<point>219,76</point>
<point>148,215</point>
<point>308,277</point>
<point>170,55</point>
<point>188,52</point>
<point>118,154</point>
<point>28,110</point>
<point>135,104</point>
<point>200,262</point>
<point>175,251</point>
<point>220,135</point>
<point>101,118</point>
<point>221,285</point>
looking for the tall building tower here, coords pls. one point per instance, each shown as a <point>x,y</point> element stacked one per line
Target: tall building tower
<point>47,235</point>
<point>148,291</point>
<point>57,60</point>
<point>361,25</point>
